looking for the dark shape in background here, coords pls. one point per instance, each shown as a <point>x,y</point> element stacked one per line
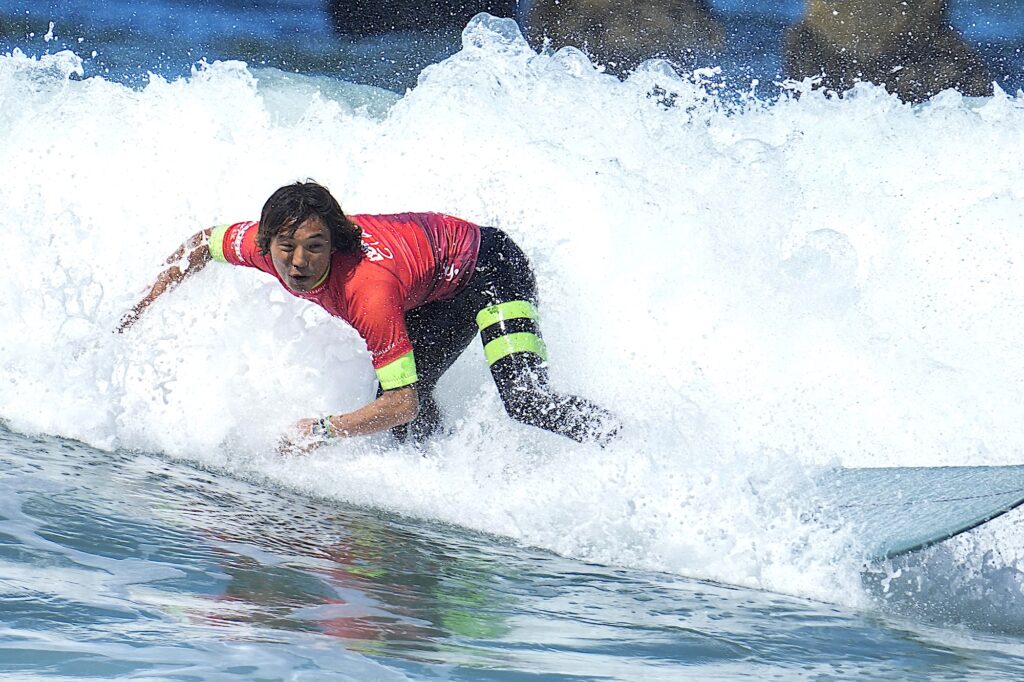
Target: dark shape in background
<point>377,17</point>
<point>623,34</point>
<point>909,47</point>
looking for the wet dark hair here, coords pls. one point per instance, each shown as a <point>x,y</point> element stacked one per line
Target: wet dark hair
<point>291,205</point>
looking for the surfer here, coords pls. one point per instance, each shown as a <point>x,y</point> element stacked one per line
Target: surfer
<point>417,287</point>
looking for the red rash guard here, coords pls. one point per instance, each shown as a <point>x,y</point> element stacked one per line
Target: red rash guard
<point>407,260</point>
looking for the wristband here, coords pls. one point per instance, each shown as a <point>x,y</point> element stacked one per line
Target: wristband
<point>323,428</point>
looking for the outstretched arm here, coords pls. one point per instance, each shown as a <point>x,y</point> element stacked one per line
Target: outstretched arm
<point>393,408</point>
<point>190,258</point>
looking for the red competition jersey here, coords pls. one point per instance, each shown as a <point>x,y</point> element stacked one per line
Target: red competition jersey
<point>407,260</point>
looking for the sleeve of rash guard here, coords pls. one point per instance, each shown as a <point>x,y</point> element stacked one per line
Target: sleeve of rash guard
<point>380,320</point>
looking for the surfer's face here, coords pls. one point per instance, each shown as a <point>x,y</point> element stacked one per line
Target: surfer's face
<point>302,256</point>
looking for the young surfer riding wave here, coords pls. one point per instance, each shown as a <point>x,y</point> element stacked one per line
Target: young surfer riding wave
<point>417,287</point>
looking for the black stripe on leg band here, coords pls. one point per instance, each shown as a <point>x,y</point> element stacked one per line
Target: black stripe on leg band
<point>506,327</point>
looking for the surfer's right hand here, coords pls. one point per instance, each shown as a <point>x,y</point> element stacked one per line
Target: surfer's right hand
<point>128,319</point>
<point>302,438</point>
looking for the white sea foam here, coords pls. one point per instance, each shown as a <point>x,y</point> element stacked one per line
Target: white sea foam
<point>756,288</point>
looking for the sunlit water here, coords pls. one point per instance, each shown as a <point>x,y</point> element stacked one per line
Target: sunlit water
<point>761,286</point>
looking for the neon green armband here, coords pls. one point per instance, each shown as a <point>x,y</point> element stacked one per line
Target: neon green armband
<point>398,373</point>
<point>216,243</point>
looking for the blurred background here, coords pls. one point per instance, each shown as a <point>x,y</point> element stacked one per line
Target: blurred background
<point>914,47</point>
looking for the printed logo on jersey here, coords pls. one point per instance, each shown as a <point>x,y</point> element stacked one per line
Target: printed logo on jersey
<point>381,351</point>
<point>374,250</point>
<point>236,243</point>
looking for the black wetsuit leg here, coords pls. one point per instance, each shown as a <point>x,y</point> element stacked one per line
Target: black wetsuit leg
<point>442,330</point>
<point>503,275</point>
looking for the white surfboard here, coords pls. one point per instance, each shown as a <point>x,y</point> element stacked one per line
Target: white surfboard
<point>902,509</point>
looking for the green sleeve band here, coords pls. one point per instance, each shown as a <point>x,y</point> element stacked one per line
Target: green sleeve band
<point>520,342</point>
<point>216,243</point>
<point>400,372</point>
<point>505,311</point>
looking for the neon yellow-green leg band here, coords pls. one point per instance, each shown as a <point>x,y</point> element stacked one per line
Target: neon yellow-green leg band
<point>508,328</point>
<point>506,311</point>
<point>520,342</point>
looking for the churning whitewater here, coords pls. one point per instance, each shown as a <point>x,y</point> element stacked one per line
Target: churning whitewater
<point>759,287</point>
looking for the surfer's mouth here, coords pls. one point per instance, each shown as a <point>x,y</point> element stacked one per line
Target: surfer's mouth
<point>300,282</point>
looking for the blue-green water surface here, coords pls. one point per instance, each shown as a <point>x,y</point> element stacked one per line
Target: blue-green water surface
<point>118,565</point>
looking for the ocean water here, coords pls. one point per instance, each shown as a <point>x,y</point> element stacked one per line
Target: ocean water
<point>763,281</point>
<point>133,566</point>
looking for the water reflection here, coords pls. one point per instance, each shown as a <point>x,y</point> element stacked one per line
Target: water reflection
<point>252,562</point>
<point>381,590</point>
